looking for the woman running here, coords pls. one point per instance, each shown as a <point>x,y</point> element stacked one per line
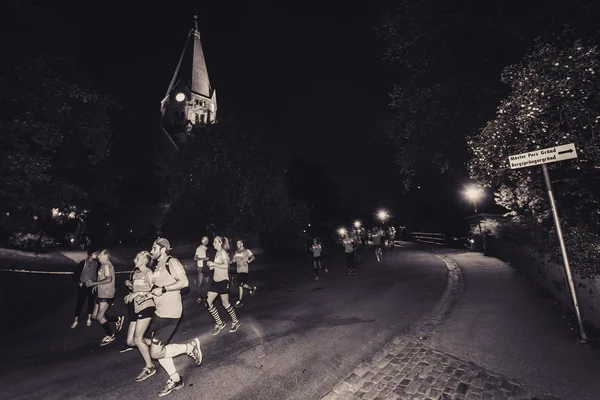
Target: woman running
<point>105,285</point>
<point>220,286</point>
<point>242,257</point>
<point>143,308</point>
<point>317,251</point>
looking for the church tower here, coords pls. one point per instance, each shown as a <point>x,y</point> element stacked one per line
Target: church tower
<point>190,99</point>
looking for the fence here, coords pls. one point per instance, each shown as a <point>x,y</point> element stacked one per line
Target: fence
<point>428,237</point>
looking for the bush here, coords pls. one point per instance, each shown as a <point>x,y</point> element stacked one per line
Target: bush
<point>30,241</point>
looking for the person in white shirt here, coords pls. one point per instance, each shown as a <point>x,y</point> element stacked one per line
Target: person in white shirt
<point>201,257</point>
<point>242,258</point>
<point>317,252</point>
<point>349,253</point>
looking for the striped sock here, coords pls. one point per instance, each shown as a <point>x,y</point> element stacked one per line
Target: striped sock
<point>215,314</point>
<point>231,313</point>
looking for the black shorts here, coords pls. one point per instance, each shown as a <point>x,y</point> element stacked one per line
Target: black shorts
<point>109,301</point>
<point>162,329</point>
<point>145,313</point>
<point>317,258</point>
<point>221,287</point>
<point>242,278</point>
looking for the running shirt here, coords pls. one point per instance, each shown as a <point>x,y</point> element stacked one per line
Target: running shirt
<point>377,239</point>
<point>88,273</point>
<point>169,304</point>
<point>317,250</point>
<point>221,274</point>
<point>142,281</point>
<point>201,254</point>
<point>241,258</point>
<point>348,245</point>
<point>106,290</point>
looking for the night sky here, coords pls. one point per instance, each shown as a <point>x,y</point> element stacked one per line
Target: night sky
<point>312,73</point>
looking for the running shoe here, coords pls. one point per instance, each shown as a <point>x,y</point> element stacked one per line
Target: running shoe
<point>171,385</point>
<point>252,291</point>
<point>107,340</point>
<point>196,353</point>
<point>89,322</point>
<point>316,278</point>
<point>326,270</point>
<point>126,349</point>
<point>235,326</point>
<point>146,373</point>
<point>218,328</point>
<point>119,323</point>
<point>74,325</point>
<point>239,303</point>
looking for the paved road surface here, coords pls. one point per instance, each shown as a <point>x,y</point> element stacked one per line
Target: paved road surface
<point>298,338</point>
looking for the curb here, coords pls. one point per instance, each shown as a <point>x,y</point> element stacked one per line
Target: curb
<point>418,330</point>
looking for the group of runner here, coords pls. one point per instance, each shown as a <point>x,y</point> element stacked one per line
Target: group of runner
<point>154,302</point>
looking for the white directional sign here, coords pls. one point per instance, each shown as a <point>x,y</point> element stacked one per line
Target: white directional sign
<point>543,156</point>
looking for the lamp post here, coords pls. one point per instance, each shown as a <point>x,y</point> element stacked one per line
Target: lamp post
<point>474,193</point>
<point>357,224</point>
<point>382,215</point>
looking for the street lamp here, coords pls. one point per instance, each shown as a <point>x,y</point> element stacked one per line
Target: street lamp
<point>357,224</point>
<point>382,215</point>
<point>474,193</point>
<point>342,231</point>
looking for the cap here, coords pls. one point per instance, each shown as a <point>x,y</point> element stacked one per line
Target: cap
<point>162,242</point>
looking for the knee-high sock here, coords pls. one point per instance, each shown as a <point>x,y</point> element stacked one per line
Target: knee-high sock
<point>169,367</point>
<point>231,313</point>
<point>110,318</point>
<point>107,329</point>
<point>215,314</point>
<point>174,349</point>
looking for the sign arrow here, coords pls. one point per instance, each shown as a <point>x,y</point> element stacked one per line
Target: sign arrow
<point>565,151</point>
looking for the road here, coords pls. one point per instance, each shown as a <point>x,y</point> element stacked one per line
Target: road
<point>298,338</point>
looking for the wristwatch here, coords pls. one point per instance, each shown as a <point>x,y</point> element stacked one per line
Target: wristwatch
<point>164,289</point>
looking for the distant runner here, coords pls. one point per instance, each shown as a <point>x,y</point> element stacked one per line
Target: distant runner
<point>242,257</point>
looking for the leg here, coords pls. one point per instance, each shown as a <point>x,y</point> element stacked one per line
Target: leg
<point>219,324</point>
<point>241,292</point>
<point>131,333</point>
<point>91,298</point>
<point>138,339</point>
<point>95,312</point>
<point>81,295</point>
<point>235,323</point>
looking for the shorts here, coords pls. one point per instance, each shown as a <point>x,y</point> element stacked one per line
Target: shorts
<point>221,287</point>
<point>317,258</point>
<point>377,246</point>
<point>145,313</point>
<point>109,301</point>
<point>242,278</point>
<point>162,329</point>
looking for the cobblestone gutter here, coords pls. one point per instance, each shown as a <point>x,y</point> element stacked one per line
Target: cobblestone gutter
<point>407,369</point>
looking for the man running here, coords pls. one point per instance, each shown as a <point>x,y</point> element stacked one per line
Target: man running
<point>348,243</point>
<point>201,257</point>
<point>242,257</point>
<point>169,278</point>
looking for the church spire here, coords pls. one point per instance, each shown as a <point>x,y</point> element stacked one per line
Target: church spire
<point>190,98</point>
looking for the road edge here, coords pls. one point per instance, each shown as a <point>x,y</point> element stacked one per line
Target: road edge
<point>419,329</point>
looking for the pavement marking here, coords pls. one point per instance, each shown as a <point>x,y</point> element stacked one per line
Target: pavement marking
<point>25,271</point>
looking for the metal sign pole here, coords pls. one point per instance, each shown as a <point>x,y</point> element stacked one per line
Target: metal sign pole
<point>563,250</point>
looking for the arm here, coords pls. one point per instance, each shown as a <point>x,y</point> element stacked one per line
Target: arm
<point>108,279</point>
<point>250,257</point>
<point>178,273</point>
<point>224,258</point>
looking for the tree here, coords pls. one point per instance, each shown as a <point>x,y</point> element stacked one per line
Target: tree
<point>449,57</point>
<point>54,128</point>
<point>229,181</point>
<point>554,99</point>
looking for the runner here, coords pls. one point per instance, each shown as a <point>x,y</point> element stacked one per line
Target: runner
<point>242,257</point>
<point>168,279</point>
<point>349,253</point>
<point>317,250</point>
<point>377,244</point>
<point>220,286</point>
<point>87,272</point>
<point>105,285</point>
<point>201,257</point>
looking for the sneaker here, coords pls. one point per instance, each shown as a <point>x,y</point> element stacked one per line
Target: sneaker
<point>316,278</point>
<point>239,303</point>
<point>171,385</point>
<point>326,271</point>
<point>107,339</point>
<point>218,328</point>
<point>353,272</point>
<point>252,291</point>
<point>74,325</point>
<point>235,326</point>
<point>126,349</point>
<point>196,353</point>
<point>146,373</point>
<point>89,322</point>
<point>119,323</point>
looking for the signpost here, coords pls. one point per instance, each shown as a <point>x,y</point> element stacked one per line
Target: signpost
<point>543,157</point>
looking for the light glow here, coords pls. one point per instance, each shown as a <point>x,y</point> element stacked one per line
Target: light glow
<point>342,231</point>
<point>357,224</point>
<point>382,215</point>
<point>180,97</point>
<point>473,193</point>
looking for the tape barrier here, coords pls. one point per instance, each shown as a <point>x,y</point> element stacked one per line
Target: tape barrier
<point>24,271</point>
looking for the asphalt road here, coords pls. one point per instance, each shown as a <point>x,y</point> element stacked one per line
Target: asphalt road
<point>298,337</point>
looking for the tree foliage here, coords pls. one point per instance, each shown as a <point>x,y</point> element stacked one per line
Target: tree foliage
<point>54,128</point>
<point>554,99</point>
<point>229,181</point>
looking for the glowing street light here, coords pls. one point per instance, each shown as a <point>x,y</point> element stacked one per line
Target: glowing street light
<point>342,231</point>
<point>474,193</point>
<point>357,224</point>
<point>382,215</point>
